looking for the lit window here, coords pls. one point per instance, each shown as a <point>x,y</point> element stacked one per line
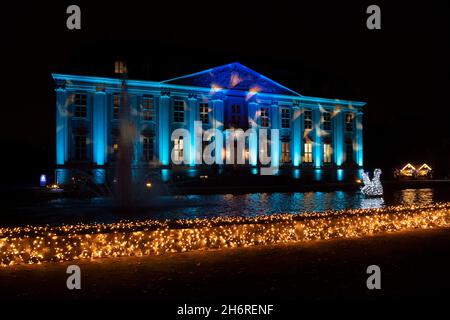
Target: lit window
<point>115,146</point>
<point>147,108</point>
<point>80,147</point>
<point>264,116</point>
<point>327,153</point>
<point>147,148</point>
<point>80,105</point>
<point>178,149</point>
<point>307,117</point>
<point>204,112</point>
<point>285,118</point>
<point>116,106</point>
<point>178,111</point>
<point>349,151</point>
<point>308,152</point>
<point>285,152</point>
<point>326,121</point>
<point>120,67</point>
<point>235,116</point>
<point>349,122</point>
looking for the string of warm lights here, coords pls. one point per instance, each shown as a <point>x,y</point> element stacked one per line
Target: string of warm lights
<point>37,244</point>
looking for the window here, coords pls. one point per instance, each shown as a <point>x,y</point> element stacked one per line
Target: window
<point>349,122</point>
<point>326,121</point>
<point>204,112</point>
<point>147,108</point>
<point>80,147</point>
<point>80,105</point>
<point>349,151</point>
<point>178,111</point>
<point>115,146</point>
<point>147,148</point>
<point>307,119</point>
<point>235,115</point>
<point>285,118</point>
<point>178,149</point>
<point>327,153</point>
<point>264,117</point>
<point>120,67</point>
<point>285,152</point>
<point>308,152</point>
<point>116,106</point>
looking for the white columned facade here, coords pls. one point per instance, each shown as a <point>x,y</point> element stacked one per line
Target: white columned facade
<point>359,138</point>
<point>338,136</point>
<point>317,144</point>
<point>99,124</point>
<point>296,136</point>
<point>218,122</point>
<point>253,139</point>
<point>62,130</point>
<point>275,142</point>
<point>191,113</point>
<point>163,129</point>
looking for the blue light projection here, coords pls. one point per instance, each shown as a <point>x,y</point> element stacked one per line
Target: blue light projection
<point>61,126</point>
<point>297,137</point>
<point>340,174</point>
<point>338,137</point>
<point>165,175</point>
<point>163,130</point>
<point>318,174</point>
<point>296,173</point>
<point>99,128</point>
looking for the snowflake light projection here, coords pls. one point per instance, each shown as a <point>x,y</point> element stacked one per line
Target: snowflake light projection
<point>372,188</point>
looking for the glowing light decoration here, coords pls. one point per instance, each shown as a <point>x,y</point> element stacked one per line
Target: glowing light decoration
<point>37,244</point>
<point>43,180</point>
<point>372,188</point>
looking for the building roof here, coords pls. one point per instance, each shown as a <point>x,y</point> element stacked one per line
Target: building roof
<point>233,76</point>
<point>229,77</point>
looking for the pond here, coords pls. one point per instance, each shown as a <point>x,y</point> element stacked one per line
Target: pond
<point>69,211</point>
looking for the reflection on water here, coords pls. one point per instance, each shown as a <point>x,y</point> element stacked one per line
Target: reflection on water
<point>371,203</point>
<point>416,196</point>
<point>202,206</point>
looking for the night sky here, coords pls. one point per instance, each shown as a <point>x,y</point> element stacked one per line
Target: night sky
<point>316,49</point>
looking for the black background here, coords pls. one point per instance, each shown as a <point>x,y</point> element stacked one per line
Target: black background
<point>313,47</point>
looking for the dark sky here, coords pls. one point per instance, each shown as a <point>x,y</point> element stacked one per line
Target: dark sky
<point>321,49</point>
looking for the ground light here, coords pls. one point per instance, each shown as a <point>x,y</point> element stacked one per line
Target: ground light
<point>37,244</point>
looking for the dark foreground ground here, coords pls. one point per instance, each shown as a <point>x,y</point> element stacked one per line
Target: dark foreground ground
<point>414,265</point>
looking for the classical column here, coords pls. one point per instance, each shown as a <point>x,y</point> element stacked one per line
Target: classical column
<point>218,122</point>
<point>296,136</point>
<point>338,136</point>
<point>191,112</point>
<point>62,130</point>
<point>99,125</point>
<point>135,121</point>
<point>275,138</point>
<point>163,129</point>
<point>253,140</point>
<point>317,144</point>
<point>359,138</point>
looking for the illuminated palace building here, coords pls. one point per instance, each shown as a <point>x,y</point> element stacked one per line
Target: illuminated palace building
<point>318,137</point>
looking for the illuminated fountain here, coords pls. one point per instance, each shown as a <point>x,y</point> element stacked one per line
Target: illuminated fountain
<point>372,188</point>
<point>124,188</point>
